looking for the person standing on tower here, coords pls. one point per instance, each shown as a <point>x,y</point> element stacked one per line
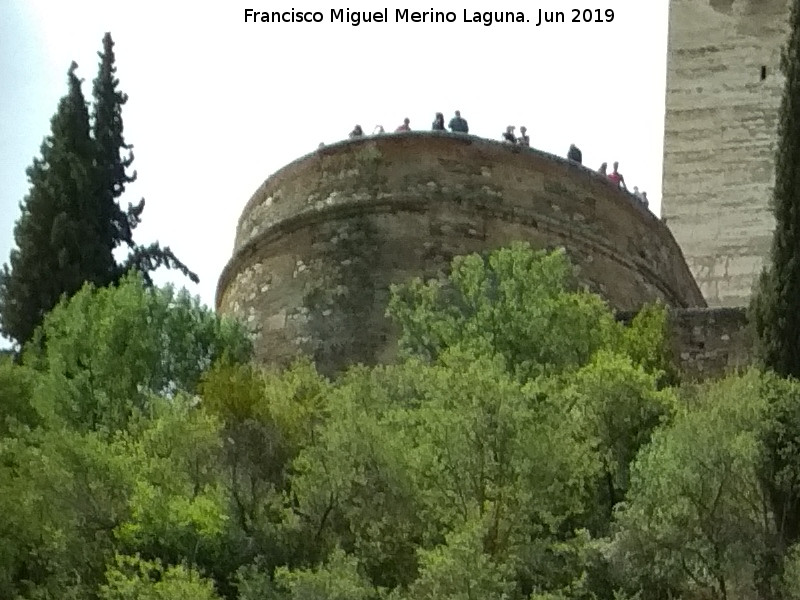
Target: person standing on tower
<point>406,126</point>
<point>458,124</point>
<point>438,122</point>
<point>575,154</point>
<point>616,178</point>
<point>524,139</point>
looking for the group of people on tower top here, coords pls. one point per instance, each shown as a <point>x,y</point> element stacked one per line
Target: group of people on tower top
<point>615,177</point>
<point>523,140</point>
<point>617,180</point>
<point>458,124</point>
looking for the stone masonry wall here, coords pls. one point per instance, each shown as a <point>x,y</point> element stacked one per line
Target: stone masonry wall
<point>710,342</point>
<point>322,240</point>
<point>720,138</point>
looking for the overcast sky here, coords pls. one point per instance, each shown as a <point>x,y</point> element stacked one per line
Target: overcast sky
<point>216,104</point>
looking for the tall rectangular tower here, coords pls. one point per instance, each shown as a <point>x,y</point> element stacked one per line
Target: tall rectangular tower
<point>723,96</point>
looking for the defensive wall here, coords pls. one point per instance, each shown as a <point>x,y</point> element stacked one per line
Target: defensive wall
<point>321,241</point>
<point>724,90</point>
<point>709,342</point>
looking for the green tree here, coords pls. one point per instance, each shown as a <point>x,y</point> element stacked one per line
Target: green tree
<point>619,406</point>
<point>107,128</point>
<point>71,222</point>
<point>696,522</point>
<point>105,447</point>
<point>521,305</point>
<point>791,574</point>
<point>459,569</point>
<point>268,418</point>
<point>62,494</point>
<point>352,485</point>
<point>132,578</point>
<point>513,302</point>
<point>59,235</point>
<point>17,383</point>
<point>774,307</point>
<point>646,341</point>
<point>775,315</point>
<point>413,453</point>
<point>178,506</point>
<point>109,350</point>
<point>338,579</point>
<point>112,177</point>
<point>779,467</point>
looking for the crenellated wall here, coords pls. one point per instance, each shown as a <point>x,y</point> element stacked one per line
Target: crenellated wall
<point>321,241</point>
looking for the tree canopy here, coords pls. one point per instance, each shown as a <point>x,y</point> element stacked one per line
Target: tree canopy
<point>142,454</point>
<point>70,221</point>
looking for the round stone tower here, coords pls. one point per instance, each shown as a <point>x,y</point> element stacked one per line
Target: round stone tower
<point>321,241</point>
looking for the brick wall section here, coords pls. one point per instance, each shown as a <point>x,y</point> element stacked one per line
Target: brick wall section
<point>720,138</point>
<point>321,241</point>
<point>710,342</point>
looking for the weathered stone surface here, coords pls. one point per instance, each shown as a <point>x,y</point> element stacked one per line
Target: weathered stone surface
<point>710,342</point>
<point>325,237</point>
<point>720,138</point>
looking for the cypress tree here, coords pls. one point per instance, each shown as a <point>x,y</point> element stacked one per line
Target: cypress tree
<point>775,311</point>
<point>110,144</point>
<point>776,305</point>
<point>71,221</point>
<point>57,234</point>
<point>114,157</point>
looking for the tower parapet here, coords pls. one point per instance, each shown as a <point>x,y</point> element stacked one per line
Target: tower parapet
<point>321,241</point>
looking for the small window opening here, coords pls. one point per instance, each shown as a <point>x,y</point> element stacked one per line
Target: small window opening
<point>763,73</point>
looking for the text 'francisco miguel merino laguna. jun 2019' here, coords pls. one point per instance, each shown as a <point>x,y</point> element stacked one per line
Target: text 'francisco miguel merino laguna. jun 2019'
<point>537,17</point>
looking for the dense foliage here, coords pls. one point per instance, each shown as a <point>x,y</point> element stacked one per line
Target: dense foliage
<point>777,324</point>
<point>143,456</point>
<point>71,221</point>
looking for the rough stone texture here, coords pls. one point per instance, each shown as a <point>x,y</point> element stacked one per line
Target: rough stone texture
<point>320,242</point>
<point>720,138</point>
<point>710,342</point>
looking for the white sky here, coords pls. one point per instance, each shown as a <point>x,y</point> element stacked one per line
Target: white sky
<point>217,105</point>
